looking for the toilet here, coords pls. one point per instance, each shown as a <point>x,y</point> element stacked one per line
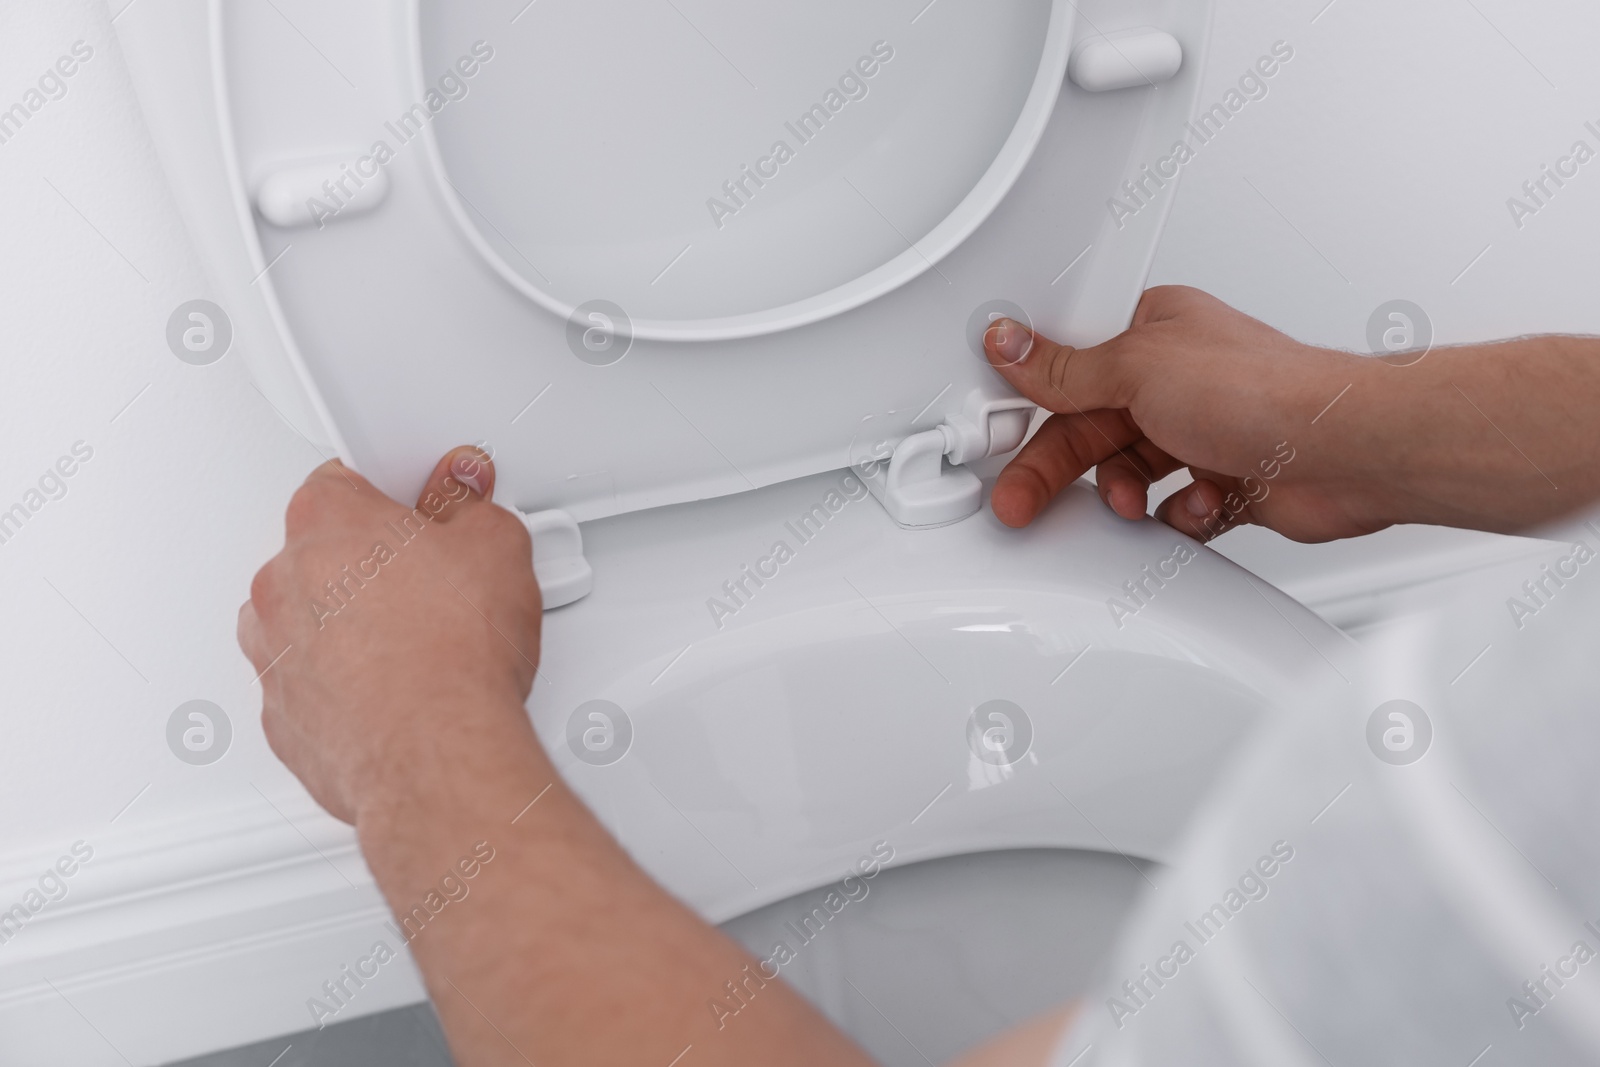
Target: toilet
<point>708,279</point>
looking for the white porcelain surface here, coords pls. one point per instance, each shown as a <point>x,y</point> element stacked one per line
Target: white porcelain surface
<point>415,341</point>
<point>659,140</point>
<point>933,958</point>
<point>832,709</point>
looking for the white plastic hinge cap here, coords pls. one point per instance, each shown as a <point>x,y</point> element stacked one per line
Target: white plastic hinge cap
<point>987,426</point>
<point>294,194</point>
<point>1124,59</point>
<point>563,573</point>
<point>920,489</point>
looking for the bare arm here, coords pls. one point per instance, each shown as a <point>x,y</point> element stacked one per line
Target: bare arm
<point>1028,1044</point>
<point>564,951</point>
<point>402,711</point>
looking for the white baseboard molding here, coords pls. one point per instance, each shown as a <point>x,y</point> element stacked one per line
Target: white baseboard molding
<point>184,938</point>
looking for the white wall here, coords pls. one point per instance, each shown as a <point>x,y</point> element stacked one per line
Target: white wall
<point>120,597</point>
<point>1391,142</point>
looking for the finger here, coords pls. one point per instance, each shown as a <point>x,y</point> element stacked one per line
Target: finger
<point>288,742</point>
<point>463,477</point>
<point>326,489</point>
<point>252,642</point>
<point>1057,455</point>
<point>1124,480</point>
<point>1198,509</point>
<point>335,471</point>
<point>1164,302</point>
<point>1060,378</point>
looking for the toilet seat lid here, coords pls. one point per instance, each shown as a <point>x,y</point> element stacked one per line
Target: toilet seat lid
<point>723,169</point>
<point>517,281</point>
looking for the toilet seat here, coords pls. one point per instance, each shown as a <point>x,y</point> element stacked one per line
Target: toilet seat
<point>452,347</point>
<point>760,262</point>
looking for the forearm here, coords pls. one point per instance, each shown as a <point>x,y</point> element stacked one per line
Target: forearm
<point>1496,436</point>
<point>563,950</point>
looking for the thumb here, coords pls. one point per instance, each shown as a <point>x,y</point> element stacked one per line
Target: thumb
<point>463,478</point>
<point>1060,378</point>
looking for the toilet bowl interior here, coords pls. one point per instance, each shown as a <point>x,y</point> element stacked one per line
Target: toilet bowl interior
<point>921,963</point>
<point>942,692</point>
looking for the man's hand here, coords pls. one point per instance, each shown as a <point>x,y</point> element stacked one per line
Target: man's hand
<point>1193,383</point>
<point>398,647</point>
<point>392,639</point>
<point>1311,442</point>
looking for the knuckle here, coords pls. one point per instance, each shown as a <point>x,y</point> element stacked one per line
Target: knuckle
<point>514,533</point>
<point>1059,371</point>
<point>522,545</point>
<point>1172,295</point>
<point>1165,301</point>
<point>245,630</point>
<point>334,472</point>
<point>327,493</point>
<point>304,507</point>
<point>263,587</point>
<point>273,728</point>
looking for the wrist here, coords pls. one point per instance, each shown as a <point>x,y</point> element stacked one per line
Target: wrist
<point>1360,408</point>
<point>462,778</point>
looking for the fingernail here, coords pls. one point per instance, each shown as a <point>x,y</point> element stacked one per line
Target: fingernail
<point>1194,505</point>
<point>471,470</point>
<point>1010,340</point>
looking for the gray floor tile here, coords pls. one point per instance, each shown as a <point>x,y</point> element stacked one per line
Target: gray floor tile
<point>406,1037</point>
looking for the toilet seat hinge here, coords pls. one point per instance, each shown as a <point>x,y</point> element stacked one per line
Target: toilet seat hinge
<point>563,573</point>
<point>925,482</point>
